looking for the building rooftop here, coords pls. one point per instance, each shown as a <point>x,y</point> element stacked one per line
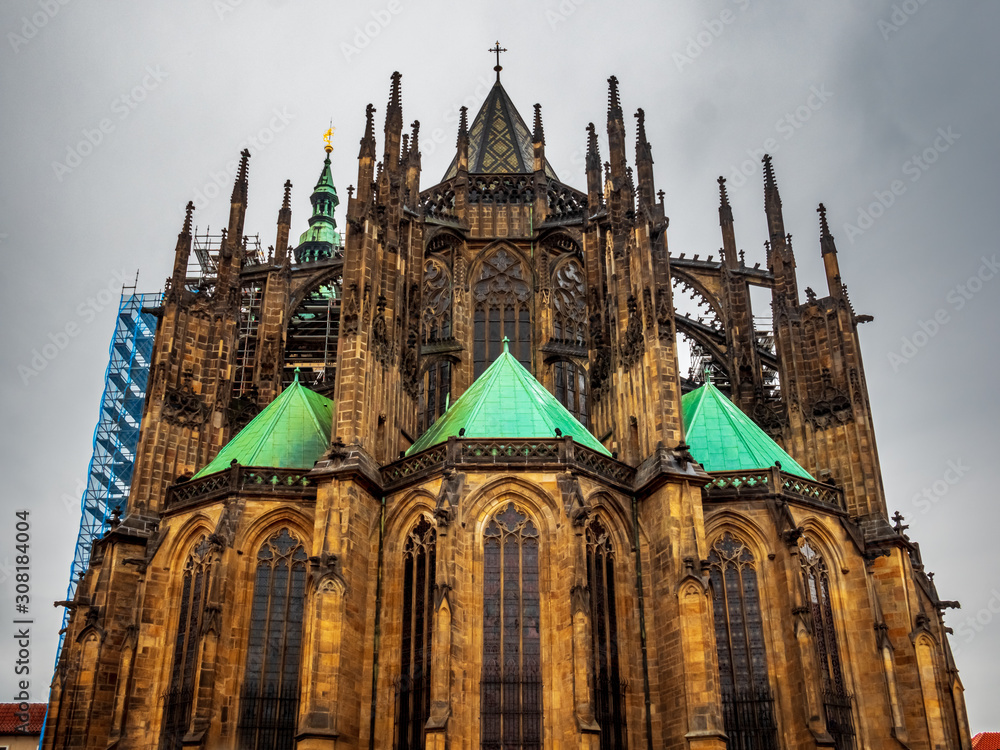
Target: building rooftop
<point>292,432</point>
<point>506,402</point>
<point>723,438</point>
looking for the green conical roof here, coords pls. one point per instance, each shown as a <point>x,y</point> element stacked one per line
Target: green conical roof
<point>292,432</point>
<point>723,438</point>
<point>319,239</point>
<point>506,402</point>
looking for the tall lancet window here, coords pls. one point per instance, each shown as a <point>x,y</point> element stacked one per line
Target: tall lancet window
<point>837,701</point>
<point>269,700</point>
<point>511,710</point>
<point>609,687</point>
<point>501,295</point>
<point>413,694</point>
<point>747,702</point>
<point>571,389</point>
<point>191,610</point>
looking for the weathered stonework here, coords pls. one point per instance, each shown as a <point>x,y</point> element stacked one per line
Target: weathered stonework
<point>355,512</point>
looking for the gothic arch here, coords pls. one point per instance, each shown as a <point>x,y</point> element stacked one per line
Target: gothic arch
<point>747,529</point>
<point>260,529</point>
<point>615,517</point>
<point>405,512</point>
<point>174,552</point>
<point>697,288</point>
<point>440,238</point>
<point>486,499</point>
<point>476,266</point>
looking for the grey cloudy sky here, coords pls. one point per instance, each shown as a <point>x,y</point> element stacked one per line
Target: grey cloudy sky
<point>853,99</point>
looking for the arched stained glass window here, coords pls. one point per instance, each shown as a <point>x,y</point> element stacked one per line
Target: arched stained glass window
<point>511,710</point>
<point>191,610</point>
<point>501,295</point>
<point>837,701</point>
<point>747,702</point>
<point>609,688</point>
<point>269,700</point>
<point>413,695</point>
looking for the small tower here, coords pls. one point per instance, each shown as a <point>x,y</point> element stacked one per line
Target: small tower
<point>320,239</point>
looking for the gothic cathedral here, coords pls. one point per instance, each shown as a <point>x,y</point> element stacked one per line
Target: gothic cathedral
<point>441,483</point>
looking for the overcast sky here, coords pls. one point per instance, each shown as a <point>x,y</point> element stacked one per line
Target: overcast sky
<point>115,114</point>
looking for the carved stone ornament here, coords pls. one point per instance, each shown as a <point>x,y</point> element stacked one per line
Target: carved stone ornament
<point>633,346</point>
<point>183,408</point>
<point>384,349</point>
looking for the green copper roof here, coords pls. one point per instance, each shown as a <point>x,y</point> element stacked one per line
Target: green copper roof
<point>723,438</point>
<point>319,239</point>
<point>499,141</point>
<point>292,432</point>
<point>506,402</point>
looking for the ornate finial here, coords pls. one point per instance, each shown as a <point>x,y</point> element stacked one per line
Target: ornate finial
<point>614,102</point>
<point>788,240</point>
<point>240,186</point>
<point>770,183</point>
<point>350,191</point>
<point>824,227</point>
<point>463,121</point>
<point>188,212</point>
<point>415,138</point>
<point>708,375</point>
<point>404,152</point>
<point>369,123</point>
<point>497,49</point>
<point>660,194</point>
<point>297,371</point>
<point>538,133</point>
<point>286,202</point>
<point>395,95</point>
<point>640,128</point>
<point>593,151</point>
<point>723,195</point>
<point>506,343</point>
<point>326,138</point>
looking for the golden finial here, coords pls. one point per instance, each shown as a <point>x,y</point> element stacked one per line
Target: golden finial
<point>326,138</point>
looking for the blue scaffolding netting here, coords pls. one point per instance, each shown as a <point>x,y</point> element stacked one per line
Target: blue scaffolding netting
<point>116,436</point>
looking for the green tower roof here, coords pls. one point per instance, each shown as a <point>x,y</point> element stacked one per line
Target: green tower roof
<point>723,438</point>
<point>292,432</point>
<point>318,241</point>
<point>506,402</point>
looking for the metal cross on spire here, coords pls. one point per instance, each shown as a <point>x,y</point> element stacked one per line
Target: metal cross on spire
<point>497,49</point>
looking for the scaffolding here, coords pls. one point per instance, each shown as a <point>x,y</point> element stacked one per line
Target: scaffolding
<point>116,436</point>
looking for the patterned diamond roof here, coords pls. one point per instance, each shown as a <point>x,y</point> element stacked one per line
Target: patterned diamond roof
<point>723,438</point>
<point>292,432</point>
<point>499,141</point>
<point>506,402</point>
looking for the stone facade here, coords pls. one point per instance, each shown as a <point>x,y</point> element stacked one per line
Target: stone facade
<point>845,628</point>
